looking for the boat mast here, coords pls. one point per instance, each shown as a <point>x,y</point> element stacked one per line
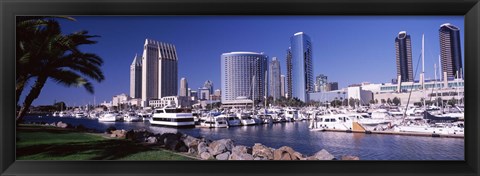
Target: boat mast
<point>423,71</point>
<point>253,93</point>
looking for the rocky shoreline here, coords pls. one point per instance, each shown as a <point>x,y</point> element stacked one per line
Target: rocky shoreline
<point>206,149</point>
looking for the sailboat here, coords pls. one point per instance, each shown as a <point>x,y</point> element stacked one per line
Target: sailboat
<point>430,124</point>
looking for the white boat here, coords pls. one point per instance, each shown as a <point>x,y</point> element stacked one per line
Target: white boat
<point>332,121</point>
<point>110,116</point>
<point>132,117</point>
<point>246,119</point>
<point>63,114</point>
<point>233,120</point>
<point>79,114</point>
<point>445,129</point>
<point>173,117</point>
<point>291,114</point>
<point>56,114</point>
<point>219,121</point>
<point>266,118</point>
<point>364,119</point>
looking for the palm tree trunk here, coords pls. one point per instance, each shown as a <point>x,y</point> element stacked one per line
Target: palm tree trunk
<point>32,95</point>
<point>20,84</point>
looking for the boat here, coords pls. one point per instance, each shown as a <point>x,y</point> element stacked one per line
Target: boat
<point>56,114</point>
<point>291,114</point>
<point>219,121</point>
<point>172,117</point>
<point>246,119</point>
<point>332,121</point>
<point>110,116</point>
<point>132,117</point>
<point>79,114</point>
<point>233,120</point>
<point>439,128</point>
<point>63,114</point>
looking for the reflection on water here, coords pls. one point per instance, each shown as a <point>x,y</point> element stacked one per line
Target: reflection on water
<point>299,137</point>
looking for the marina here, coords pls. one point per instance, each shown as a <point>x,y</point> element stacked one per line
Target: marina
<point>368,145</point>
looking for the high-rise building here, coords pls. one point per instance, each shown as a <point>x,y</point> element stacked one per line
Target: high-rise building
<point>321,83</point>
<point>159,71</point>
<point>203,93</point>
<point>301,66</point>
<point>209,85</point>
<point>288,91</point>
<point>282,85</point>
<point>274,79</point>
<point>450,51</point>
<point>240,73</point>
<point>403,47</point>
<point>136,78</point>
<point>183,87</point>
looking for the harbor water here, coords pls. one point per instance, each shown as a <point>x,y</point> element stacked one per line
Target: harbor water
<point>298,136</point>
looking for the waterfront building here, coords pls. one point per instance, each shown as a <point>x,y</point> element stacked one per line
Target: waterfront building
<point>159,71</point>
<point>450,51</point>
<point>403,48</point>
<point>189,92</point>
<point>321,83</point>
<point>301,66</point>
<point>176,101</point>
<point>194,95</point>
<point>209,85</point>
<point>282,85</point>
<point>274,79</point>
<point>120,99</point>
<point>217,92</point>
<point>328,96</point>
<point>331,86</point>
<point>243,75</point>
<point>357,93</point>
<point>136,78</point>
<point>183,87</point>
<point>135,102</point>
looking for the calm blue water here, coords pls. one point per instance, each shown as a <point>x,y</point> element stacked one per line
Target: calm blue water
<point>300,138</point>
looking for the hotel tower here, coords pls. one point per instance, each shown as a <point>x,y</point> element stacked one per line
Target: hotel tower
<point>136,78</point>
<point>450,51</point>
<point>300,67</point>
<point>159,71</point>
<point>403,48</point>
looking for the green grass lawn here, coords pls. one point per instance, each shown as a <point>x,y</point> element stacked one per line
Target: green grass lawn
<point>47,143</point>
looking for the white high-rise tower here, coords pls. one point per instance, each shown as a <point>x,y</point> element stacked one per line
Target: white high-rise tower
<point>136,78</point>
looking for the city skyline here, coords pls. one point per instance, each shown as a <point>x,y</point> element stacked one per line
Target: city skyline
<point>335,47</point>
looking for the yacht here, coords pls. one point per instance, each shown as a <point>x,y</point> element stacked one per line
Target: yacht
<point>233,120</point>
<point>246,119</point>
<point>63,114</point>
<point>132,117</point>
<point>56,114</point>
<point>439,128</point>
<point>219,121</point>
<point>291,114</point>
<point>332,121</point>
<point>173,117</point>
<point>110,116</point>
<point>79,114</point>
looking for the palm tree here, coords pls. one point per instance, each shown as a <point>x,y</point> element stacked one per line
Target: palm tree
<point>56,56</point>
<point>31,34</point>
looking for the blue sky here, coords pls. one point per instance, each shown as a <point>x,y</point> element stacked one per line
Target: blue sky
<point>348,49</point>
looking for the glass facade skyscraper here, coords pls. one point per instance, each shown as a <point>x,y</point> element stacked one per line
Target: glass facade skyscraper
<point>403,47</point>
<point>240,73</point>
<point>301,66</point>
<point>450,51</point>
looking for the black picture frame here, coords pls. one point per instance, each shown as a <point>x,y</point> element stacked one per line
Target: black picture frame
<point>9,9</point>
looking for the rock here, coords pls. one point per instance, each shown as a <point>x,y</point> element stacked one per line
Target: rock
<point>322,155</point>
<point>220,146</point>
<point>299,156</point>
<point>241,152</point>
<point>223,156</point>
<point>190,141</point>
<point>206,156</point>
<point>110,129</point>
<point>151,140</point>
<point>202,147</point>
<point>263,151</point>
<point>260,158</point>
<point>348,157</point>
<point>139,135</point>
<point>286,153</point>
<point>119,134</point>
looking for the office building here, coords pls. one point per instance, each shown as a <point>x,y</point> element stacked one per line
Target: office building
<point>274,79</point>
<point>321,83</point>
<point>282,85</point>
<point>331,86</point>
<point>209,85</point>
<point>403,48</point>
<point>136,78</point>
<point>450,51</point>
<point>301,66</point>
<point>183,87</point>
